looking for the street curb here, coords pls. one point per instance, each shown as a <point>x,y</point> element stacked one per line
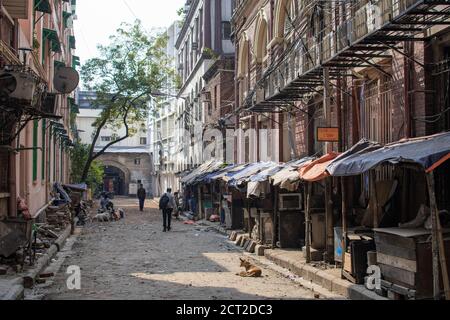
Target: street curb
<point>42,263</point>
<point>330,282</point>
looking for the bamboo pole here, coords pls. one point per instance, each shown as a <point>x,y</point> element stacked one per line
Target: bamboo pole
<point>438,250</point>
<point>329,220</point>
<point>344,220</point>
<point>374,198</point>
<point>274,217</point>
<point>308,222</point>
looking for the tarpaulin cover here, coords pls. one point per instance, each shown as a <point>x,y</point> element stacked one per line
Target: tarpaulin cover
<point>217,174</point>
<point>214,168</point>
<point>267,173</point>
<point>288,178</point>
<point>76,187</point>
<point>205,168</point>
<point>228,174</point>
<point>259,183</point>
<point>428,152</point>
<point>244,175</point>
<point>316,170</point>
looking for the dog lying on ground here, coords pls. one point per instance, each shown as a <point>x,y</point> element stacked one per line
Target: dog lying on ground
<point>250,269</point>
<point>102,217</point>
<point>109,216</point>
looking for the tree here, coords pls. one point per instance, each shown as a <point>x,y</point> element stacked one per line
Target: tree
<point>125,74</point>
<point>79,155</point>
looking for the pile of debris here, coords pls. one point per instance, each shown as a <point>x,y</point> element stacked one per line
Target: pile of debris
<point>58,219</point>
<point>43,237</point>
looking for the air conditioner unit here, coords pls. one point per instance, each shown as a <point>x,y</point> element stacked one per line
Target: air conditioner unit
<point>17,87</point>
<point>180,67</point>
<point>290,201</point>
<point>194,45</point>
<point>49,104</point>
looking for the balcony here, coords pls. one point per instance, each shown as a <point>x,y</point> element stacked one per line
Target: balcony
<point>8,54</point>
<point>17,9</point>
<point>373,28</point>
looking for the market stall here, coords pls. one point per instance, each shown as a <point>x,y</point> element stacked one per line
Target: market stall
<point>411,243</point>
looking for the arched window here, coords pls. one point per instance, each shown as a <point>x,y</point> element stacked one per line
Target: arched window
<point>243,65</point>
<point>290,16</point>
<point>261,38</point>
<point>285,15</point>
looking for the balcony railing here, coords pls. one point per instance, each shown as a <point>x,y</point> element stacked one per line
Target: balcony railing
<point>8,53</point>
<point>370,24</point>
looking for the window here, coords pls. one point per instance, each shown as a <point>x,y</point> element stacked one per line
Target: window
<point>137,161</point>
<point>143,141</point>
<point>226,30</point>
<point>106,139</point>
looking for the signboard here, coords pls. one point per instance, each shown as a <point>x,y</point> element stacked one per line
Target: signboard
<point>327,134</point>
<point>133,188</point>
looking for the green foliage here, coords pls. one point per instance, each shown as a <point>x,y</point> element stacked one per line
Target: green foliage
<point>132,66</point>
<point>79,155</point>
<point>210,53</point>
<point>128,70</point>
<point>181,13</point>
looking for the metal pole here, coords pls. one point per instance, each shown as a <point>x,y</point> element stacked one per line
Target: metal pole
<point>438,250</point>
<point>329,220</point>
<point>308,222</point>
<point>327,105</point>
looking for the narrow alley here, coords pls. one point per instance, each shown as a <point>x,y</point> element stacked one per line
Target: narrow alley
<point>134,259</point>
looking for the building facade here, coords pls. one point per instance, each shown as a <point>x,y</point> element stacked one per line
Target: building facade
<point>36,40</point>
<point>127,163</point>
<point>162,127</point>
<point>299,67</point>
<point>204,41</point>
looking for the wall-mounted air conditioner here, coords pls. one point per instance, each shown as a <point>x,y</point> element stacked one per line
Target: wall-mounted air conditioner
<point>290,201</point>
<point>195,46</point>
<point>49,104</point>
<point>17,87</point>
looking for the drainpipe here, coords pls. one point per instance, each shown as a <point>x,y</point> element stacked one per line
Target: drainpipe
<point>12,185</point>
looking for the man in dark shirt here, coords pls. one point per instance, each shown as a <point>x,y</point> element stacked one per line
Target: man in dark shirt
<point>141,196</point>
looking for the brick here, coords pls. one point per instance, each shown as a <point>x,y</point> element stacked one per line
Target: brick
<point>259,250</point>
<point>341,287</point>
<point>251,247</point>
<point>309,272</point>
<point>324,279</point>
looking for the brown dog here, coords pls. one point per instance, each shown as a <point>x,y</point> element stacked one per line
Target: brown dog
<point>250,269</point>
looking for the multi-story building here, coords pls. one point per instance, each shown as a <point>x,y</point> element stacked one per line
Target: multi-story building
<point>204,41</point>
<point>162,127</point>
<point>127,163</point>
<point>36,40</point>
<point>308,64</point>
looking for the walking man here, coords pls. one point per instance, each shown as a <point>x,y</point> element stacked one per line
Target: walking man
<point>167,204</point>
<point>142,193</point>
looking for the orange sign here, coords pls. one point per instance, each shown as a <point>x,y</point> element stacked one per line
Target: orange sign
<point>327,134</point>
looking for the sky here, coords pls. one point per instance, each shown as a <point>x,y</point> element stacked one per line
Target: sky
<point>98,19</point>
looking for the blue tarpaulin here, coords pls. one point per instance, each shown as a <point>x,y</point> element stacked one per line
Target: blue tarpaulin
<point>426,152</point>
<point>251,170</point>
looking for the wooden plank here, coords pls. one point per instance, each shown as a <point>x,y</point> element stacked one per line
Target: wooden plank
<point>392,250</point>
<point>347,262</point>
<point>401,263</point>
<point>437,241</point>
<point>408,243</point>
<point>398,276</point>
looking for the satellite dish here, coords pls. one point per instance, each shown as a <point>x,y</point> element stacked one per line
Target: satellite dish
<point>66,79</point>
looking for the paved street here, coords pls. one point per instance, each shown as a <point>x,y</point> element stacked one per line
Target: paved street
<point>134,259</point>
